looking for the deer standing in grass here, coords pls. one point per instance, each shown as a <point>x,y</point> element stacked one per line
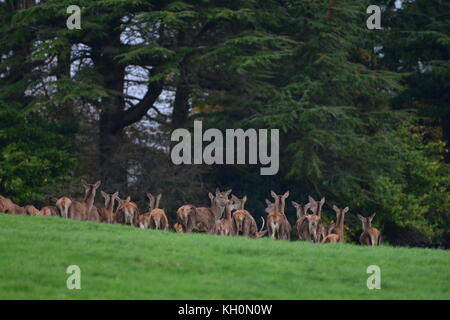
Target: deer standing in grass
<point>244,222</point>
<point>127,212</point>
<point>302,222</point>
<point>63,204</point>
<point>314,219</point>
<point>370,236</point>
<point>278,225</point>
<point>203,219</point>
<point>107,213</point>
<point>157,217</point>
<point>336,233</point>
<point>85,210</point>
<point>226,226</point>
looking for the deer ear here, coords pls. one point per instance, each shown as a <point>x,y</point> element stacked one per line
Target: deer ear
<point>273,194</point>
<point>210,195</point>
<point>335,208</point>
<point>104,194</point>
<point>84,183</point>
<point>345,210</point>
<point>295,204</point>
<point>360,217</point>
<point>149,196</point>
<point>268,202</point>
<point>244,199</point>
<point>372,216</point>
<point>128,199</point>
<point>228,192</point>
<point>322,201</point>
<point>286,194</point>
<point>116,194</point>
<point>159,196</point>
<point>217,191</point>
<point>311,200</point>
<point>234,198</point>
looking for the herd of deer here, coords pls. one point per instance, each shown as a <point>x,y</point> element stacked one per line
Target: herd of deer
<point>226,216</point>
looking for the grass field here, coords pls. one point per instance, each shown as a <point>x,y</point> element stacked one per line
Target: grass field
<point>120,262</point>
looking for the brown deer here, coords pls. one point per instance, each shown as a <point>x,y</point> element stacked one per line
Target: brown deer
<point>314,219</point>
<point>49,211</point>
<point>244,222</point>
<point>302,222</point>
<point>8,206</point>
<point>370,236</point>
<point>85,210</point>
<point>203,219</point>
<point>226,226</point>
<point>186,216</point>
<point>278,225</point>
<point>31,210</point>
<point>107,213</point>
<point>336,233</point>
<point>127,212</point>
<point>63,205</point>
<point>157,217</point>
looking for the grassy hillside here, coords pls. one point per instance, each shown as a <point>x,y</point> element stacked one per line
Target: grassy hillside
<point>119,262</point>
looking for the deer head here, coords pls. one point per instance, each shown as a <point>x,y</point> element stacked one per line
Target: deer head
<point>110,199</point>
<point>89,189</point>
<point>366,222</point>
<point>238,203</point>
<point>279,200</point>
<point>340,214</point>
<point>301,209</point>
<point>153,201</point>
<point>316,206</point>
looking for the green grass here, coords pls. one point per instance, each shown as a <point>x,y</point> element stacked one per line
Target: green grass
<point>120,262</point>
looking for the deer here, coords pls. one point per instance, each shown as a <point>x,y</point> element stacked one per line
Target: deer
<point>302,222</point>
<point>226,226</point>
<point>278,225</point>
<point>203,219</point>
<point>370,236</point>
<point>186,217</point>
<point>127,212</point>
<point>8,206</point>
<point>49,211</point>
<point>106,214</point>
<point>85,210</point>
<point>336,233</point>
<point>244,222</point>
<point>63,204</point>
<point>157,217</point>
<point>31,210</point>
<point>315,228</point>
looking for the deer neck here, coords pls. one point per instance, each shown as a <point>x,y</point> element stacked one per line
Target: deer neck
<point>228,212</point>
<point>340,220</point>
<point>89,199</point>
<point>110,205</point>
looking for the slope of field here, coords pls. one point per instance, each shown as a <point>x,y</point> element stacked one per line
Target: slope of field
<point>120,262</point>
